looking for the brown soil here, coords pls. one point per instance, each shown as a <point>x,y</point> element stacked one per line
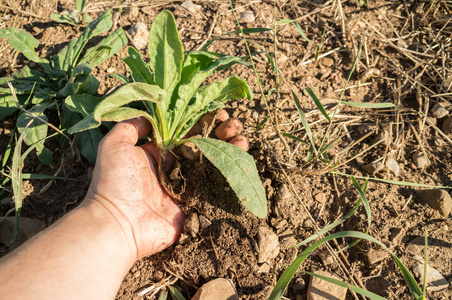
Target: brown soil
<point>406,42</point>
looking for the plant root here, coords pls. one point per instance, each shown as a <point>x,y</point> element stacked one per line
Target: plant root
<point>164,180</point>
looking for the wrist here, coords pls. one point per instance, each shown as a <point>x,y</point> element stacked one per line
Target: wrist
<point>114,226</point>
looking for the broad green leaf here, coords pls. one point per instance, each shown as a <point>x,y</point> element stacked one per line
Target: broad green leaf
<point>240,171</point>
<point>86,18</point>
<point>288,274</point>
<point>165,52</point>
<point>138,68</point>
<point>245,30</point>
<point>7,106</point>
<point>44,155</point>
<point>82,104</point>
<point>37,130</point>
<point>194,61</point>
<point>186,91</point>
<point>124,95</point>
<point>89,142</point>
<point>317,102</point>
<point>175,293</point>
<point>64,18</point>
<point>106,48</point>
<point>354,288</point>
<point>305,123</point>
<point>23,42</point>
<point>124,113</point>
<point>89,85</point>
<point>75,47</point>
<point>80,4</point>
<point>231,88</point>
<point>369,105</point>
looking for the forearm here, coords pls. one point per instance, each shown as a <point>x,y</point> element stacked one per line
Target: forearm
<point>85,255</point>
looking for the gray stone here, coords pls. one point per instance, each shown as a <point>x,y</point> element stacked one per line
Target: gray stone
<point>139,33</point>
<point>320,289</point>
<point>246,17</point>
<point>435,281</point>
<point>191,224</point>
<point>268,244</point>
<point>447,125</point>
<point>204,222</point>
<point>438,111</point>
<point>437,199</point>
<point>27,228</point>
<point>393,166</point>
<point>419,159</point>
<point>326,257</point>
<point>191,7</point>
<point>217,289</point>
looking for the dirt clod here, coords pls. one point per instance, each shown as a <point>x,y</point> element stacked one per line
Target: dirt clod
<point>320,197</point>
<point>320,289</point>
<point>438,111</point>
<point>268,244</point>
<point>435,281</point>
<point>246,17</point>
<point>437,199</point>
<point>219,288</point>
<point>373,168</point>
<point>140,34</point>
<point>191,7</point>
<point>419,159</point>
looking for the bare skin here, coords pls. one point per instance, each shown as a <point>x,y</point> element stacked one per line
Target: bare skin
<point>125,216</point>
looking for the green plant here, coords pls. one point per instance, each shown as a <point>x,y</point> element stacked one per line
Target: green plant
<point>288,274</point>
<point>174,101</point>
<point>63,83</point>
<point>75,17</point>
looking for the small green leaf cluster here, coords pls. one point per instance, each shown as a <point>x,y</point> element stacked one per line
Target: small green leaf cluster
<point>75,17</point>
<point>168,93</point>
<point>63,83</point>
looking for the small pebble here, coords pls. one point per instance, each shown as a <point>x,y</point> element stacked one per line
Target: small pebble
<point>373,168</point>
<point>246,17</point>
<point>264,268</point>
<point>375,256</point>
<point>191,224</point>
<point>435,281</point>
<point>283,193</point>
<point>219,288</point>
<point>111,70</point>
<point>131,12</point>
<point>419,159</point>
<point>437,199</point>
<point>320,289</point>
<point>299,284</point>
<point>327,62</point>
<point>191,7</point>
<point>320,197</point>
<point>438,111</point>
<point>204,222</point>
<point>326,257</point>
<point>268,244</point>
<point>140,34</point>
<point>393,166</point>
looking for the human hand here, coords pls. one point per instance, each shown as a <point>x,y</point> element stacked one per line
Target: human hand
<point>125,182</point>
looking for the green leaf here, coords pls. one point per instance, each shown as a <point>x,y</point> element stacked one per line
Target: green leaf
<point>120,77</point>
<point>23,42</point>
<point>75,47</point>
<point>44,155</point>
<point>138,68</point>
<point>297,27</point>
<point>288,274</point>
<point>86,18</point>
<point>295,138</point>
<point>175,293</point>
<point>82,104</point>
<point>317,102</point>
<point>106,48</point>
<point>124,95</point>
<point>64,18</point>
<point>7,106</point>
<point>305,122</point>
<point>89,142</point>
<point>354,288</point>
<point>165,52</point>
<point>240,171</point>
<point>80,4</point>
<point>369,105</point>
<point>37,130</point>
<point>231,88</point>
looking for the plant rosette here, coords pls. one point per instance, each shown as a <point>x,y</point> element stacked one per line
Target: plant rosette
<point>168,93</point>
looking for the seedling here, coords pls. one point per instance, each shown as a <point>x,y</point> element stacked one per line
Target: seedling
<point>174,100</point>
<point>65,84</point>
<point>75,17</point>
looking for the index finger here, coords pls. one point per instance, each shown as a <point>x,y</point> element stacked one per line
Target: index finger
<point>129,131</point>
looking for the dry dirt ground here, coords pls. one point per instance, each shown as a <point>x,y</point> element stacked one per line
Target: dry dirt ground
<point>409,46</point>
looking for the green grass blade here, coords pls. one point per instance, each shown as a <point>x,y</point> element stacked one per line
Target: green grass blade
<point>163,295</point>
<point>356,289</point>
<point>370,105</point>
<point>402,183</point>
<point>288,274</point>
<point>297,27</point>
<point>317,102</point>
<point>295,138</point>
<point>7,151</point>
<point>305,123</point>
<point>175,293</point>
